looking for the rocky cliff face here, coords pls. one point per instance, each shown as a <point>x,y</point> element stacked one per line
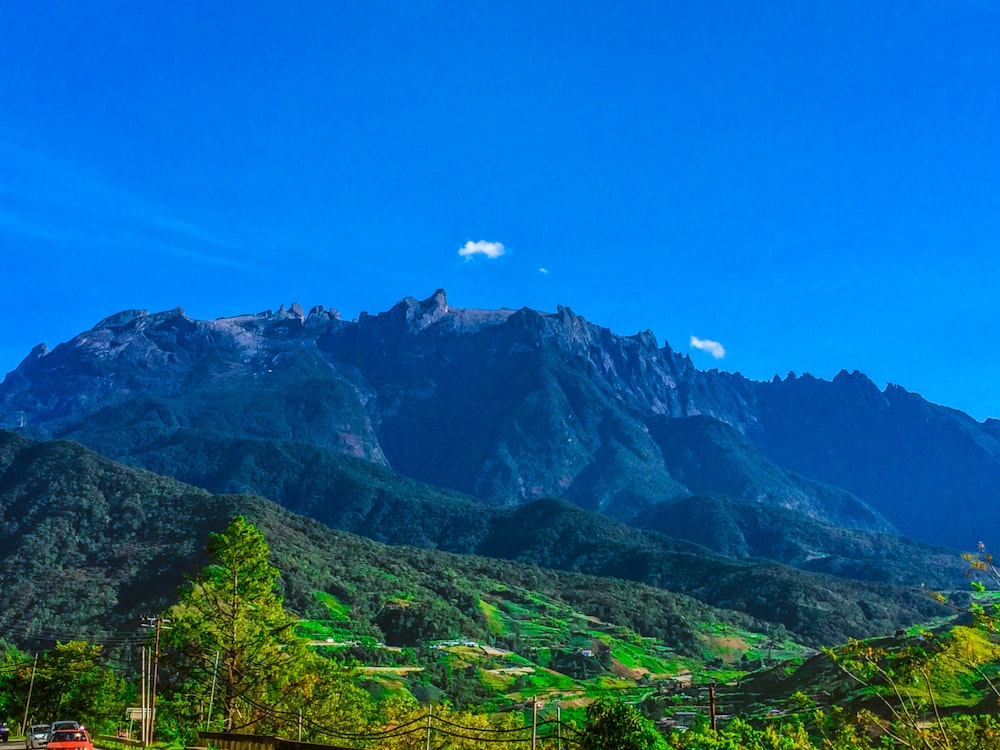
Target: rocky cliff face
<point>934,471</point>
<point>135,377</point>
<point>514,405</point>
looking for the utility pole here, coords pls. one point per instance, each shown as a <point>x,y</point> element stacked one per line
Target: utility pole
<point>711,706</point>
<point>143,703</point>
<point>31,685</point>
<point>211,697</point>
<point>156,621</point>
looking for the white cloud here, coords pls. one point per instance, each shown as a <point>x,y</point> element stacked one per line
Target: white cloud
<point>714,348</point>
<point>491,250</point>
<point>543,270</point>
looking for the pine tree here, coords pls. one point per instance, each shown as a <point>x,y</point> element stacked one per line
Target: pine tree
<point>232,612</point>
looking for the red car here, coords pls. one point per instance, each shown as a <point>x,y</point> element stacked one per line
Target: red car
<point>70,739</point>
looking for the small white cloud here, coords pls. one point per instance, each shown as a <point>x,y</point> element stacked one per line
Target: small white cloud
<point>543,270</point>
<point>714,348</point>
<point>491,250</point>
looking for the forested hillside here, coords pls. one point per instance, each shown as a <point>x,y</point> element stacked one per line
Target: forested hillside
<point>93,543</point>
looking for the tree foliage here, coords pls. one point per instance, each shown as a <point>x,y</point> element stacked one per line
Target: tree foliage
<point>232,635</point>
<point>232,610</point>
<point>613,725</point>
<point>71,680</point>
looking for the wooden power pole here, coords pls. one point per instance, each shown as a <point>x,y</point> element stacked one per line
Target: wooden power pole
<point>711,707</point>
<point>156,621</point>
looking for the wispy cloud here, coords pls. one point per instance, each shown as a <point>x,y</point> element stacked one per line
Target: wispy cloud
<point>543,269</point>
<point>714,348</point>
<point>68,204</point>
<point>490,250</point>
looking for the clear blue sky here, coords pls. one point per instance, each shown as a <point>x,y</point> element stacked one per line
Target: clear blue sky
<point>813,185</point>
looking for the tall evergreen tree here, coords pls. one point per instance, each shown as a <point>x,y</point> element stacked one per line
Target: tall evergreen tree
<point>232,614</point>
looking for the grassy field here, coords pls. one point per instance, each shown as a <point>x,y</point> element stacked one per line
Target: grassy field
<point>542,650</point>
<point>561,656</point>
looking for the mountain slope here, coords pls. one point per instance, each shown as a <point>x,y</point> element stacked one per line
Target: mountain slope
<point>933,471</point>
<point>93,543</point>
<point>340,491</point>
<point>745,528</point>
<point>709,456</point>
<point>354,495</point>
<point>817,607</point>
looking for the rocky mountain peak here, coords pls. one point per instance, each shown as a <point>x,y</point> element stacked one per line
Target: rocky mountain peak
<point>38,352</point>
<point>852,378</point>
<point>121,318</point>
<point>646,339</point>
<point>421,315</point>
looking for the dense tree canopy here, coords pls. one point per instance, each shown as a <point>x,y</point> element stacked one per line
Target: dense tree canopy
<point>70,681</point>
<point>232,610</point>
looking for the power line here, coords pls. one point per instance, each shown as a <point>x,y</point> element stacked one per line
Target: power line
<point>440,724</point>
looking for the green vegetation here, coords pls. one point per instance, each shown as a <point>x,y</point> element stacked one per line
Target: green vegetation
<point>347,633</point>
<point>128,538</point>
<point>73,679</point>
<point>338,611</point>
<point>921,688</point>
<point>230,633</point>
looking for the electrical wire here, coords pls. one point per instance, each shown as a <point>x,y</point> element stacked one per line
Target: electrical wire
<point>438,724</point>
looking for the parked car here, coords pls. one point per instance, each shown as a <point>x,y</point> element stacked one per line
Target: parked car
<point>37,736</point>
<point>56,726</point>
<point>70,739</point>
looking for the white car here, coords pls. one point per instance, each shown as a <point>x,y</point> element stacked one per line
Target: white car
<point>37,736</point>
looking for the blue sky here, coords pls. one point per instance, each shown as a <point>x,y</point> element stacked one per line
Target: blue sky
<point>812,186</point>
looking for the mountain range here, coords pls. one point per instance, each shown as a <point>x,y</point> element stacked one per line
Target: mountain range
<point>492,432</point>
